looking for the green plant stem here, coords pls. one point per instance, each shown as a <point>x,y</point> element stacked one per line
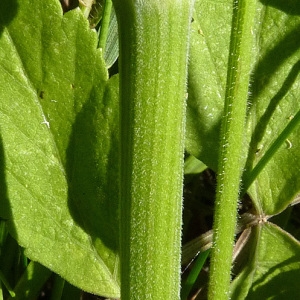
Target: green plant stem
<point>1,291</point>
<point>230,163</point>
<point>86,6</point>
<point>190,281</point>
<point>6,284</point>
<point>153,62</point>
<point>31,282</point>
<point>58,287</point>
<point>251,176</point>
<point>105,24</point>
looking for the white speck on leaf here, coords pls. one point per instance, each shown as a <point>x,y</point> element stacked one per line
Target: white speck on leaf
<point>46,122</point>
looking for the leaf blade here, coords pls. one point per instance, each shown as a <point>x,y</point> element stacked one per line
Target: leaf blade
<point>53,76</point>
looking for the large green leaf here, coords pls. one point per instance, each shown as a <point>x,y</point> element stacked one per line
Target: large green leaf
<point>273,95</point>
<point>273,269</point>
<point>59,156</point>
<point>207,78</point>
<point>274,100</point>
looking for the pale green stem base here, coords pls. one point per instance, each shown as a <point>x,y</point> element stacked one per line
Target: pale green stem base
<point>153,59</point>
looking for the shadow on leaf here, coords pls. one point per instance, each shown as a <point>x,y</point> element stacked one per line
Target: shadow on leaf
<point>4,202</point>
<point>290,7</point>
<point>92,169</point>
<point>282,285</point>
<point>263,74</point>
<point>8,10</point>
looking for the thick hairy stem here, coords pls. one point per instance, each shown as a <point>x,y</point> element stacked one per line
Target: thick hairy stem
<point>153,66</point>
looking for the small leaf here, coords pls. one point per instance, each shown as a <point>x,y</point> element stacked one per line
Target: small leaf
<point>111,52</point>
<point>193,166</point>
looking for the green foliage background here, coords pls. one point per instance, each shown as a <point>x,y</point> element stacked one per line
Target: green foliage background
<point>59,138</point>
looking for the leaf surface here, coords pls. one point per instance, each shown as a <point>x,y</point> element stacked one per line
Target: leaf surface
<point>59,170</point>
<point>275,267</point>
<point>273,96</point>
<point>275,92</point>
<point>207,78</point>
